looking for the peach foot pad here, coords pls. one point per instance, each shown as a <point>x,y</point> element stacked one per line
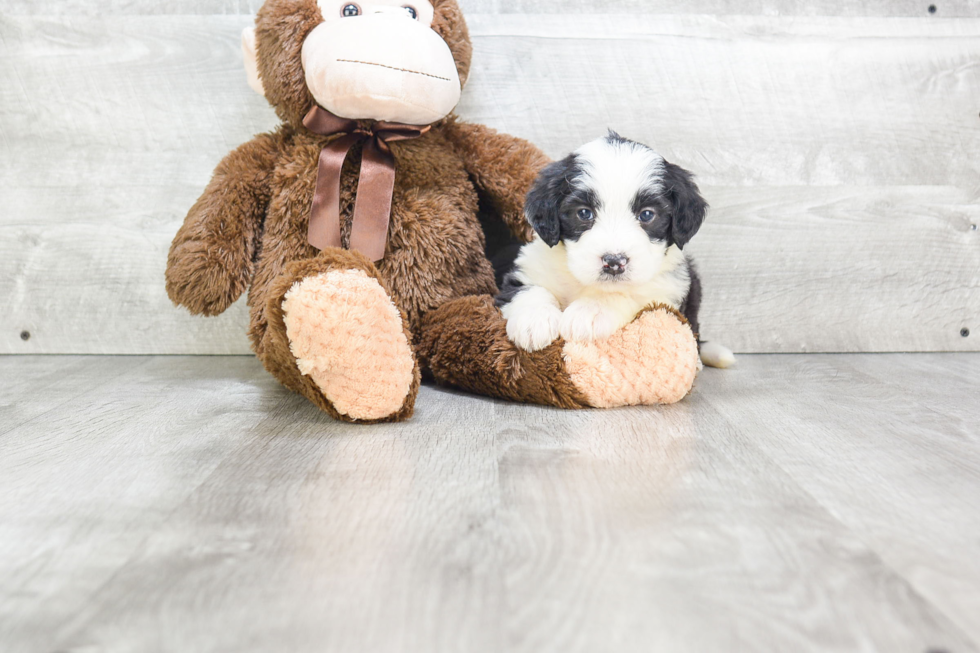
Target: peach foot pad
<point>653,360</point>
<point>348,337</point>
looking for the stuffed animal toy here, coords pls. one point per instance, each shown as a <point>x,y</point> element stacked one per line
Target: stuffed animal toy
<point>354,227</point>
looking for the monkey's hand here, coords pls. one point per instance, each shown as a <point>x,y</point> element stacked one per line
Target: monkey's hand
<point>210,261</point>
<point>503,168</point>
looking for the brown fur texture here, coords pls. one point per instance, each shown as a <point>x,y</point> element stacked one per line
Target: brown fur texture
<point>350,339</point>
<point>498,164</point>
<point>273,348</point>
<point>465,344</point>
<point>211,261</point>
<point>652,360</point>
<point>249,231</point>
<point>282,26</point>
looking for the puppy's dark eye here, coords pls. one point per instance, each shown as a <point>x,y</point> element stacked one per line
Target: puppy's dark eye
<point>350,10</point>
<point>585,214</point>
<point>646,215</point>
<point>411,12</point>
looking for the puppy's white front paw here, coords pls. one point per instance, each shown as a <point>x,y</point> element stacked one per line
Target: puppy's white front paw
<point>533,329</point>
<point>587,320</point>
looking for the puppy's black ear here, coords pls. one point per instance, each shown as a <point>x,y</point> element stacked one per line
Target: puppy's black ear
<point>687,206</point>
<point>543,204</point>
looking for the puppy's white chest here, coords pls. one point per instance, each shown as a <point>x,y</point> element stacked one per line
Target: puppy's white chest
<point>670,289</point>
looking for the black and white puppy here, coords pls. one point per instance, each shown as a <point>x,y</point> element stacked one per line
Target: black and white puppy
<point>612,219</point>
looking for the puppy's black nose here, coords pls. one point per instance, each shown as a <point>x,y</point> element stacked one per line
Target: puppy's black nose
<point>614,264</point>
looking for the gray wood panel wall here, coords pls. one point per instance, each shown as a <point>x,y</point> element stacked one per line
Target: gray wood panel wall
<point>836,141</point>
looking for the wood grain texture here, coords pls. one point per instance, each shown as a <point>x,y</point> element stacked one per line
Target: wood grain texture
<point>153,430</point>
<point>111,130</point>
<point>840,268</point>
<point>905,8</point>
<point>893,446</point>
<point>837,154</point>
<point>793,503</point>
<point>34,386</point>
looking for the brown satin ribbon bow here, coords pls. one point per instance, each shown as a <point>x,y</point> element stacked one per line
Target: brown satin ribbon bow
<point>372,207</point>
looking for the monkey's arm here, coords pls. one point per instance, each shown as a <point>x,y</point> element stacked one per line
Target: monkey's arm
<point>210,261</point>
<point>503,168</point>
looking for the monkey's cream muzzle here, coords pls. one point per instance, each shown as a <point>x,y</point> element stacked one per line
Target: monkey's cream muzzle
<point>381,67</point>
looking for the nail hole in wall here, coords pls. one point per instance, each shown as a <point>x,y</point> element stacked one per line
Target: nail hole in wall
<point>965,332</point>
<point>25,335</point>
<point>932,9</point>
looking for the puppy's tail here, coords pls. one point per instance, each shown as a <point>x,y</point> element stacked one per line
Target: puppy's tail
<point>715,355</point>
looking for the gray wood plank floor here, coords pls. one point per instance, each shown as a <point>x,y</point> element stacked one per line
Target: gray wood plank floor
<point>794,503</point>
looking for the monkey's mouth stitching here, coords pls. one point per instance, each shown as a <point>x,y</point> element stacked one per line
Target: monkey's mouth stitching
<point>403,70</point>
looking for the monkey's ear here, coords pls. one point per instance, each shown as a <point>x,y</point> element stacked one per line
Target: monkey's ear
<point>543,204</point>
<point>687,206</point>
<point>251,60</point>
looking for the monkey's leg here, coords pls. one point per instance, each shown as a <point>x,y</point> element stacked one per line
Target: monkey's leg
<point>336,337</point>
<point>652,360</point>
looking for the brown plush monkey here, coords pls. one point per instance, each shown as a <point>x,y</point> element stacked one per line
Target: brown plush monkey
<point>396,281</point>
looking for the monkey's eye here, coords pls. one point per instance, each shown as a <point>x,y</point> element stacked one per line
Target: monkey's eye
<point>350,10</point>
<point>646,215</point>
<point>585,215</point>
<point>411,12</point>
